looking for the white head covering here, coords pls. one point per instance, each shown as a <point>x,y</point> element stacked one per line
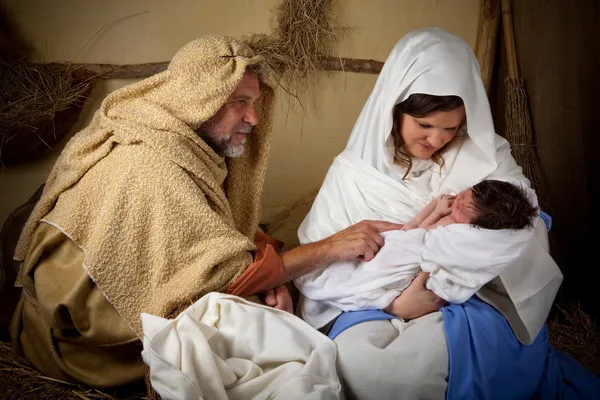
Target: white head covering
<point>364,183</point>
<point>429,61</point>
<point>364,178</point>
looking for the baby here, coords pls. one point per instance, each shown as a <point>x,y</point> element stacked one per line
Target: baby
<point>459,259</point>
<point>490,204</point>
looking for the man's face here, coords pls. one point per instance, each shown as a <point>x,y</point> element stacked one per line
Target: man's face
<point>227,130</point>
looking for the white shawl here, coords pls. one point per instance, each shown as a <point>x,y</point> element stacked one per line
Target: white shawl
<point>224,347</point>
<point>432,61</point>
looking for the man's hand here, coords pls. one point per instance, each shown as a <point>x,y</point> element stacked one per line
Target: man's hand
<point>362,240</point>
<point>280,299</point>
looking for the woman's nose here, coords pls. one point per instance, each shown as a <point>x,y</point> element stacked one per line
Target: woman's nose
<point>436,139</point>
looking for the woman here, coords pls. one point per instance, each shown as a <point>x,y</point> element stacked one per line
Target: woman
<point>425,130</point>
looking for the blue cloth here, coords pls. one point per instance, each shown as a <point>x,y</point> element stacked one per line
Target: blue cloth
<point>488,362</point>
<point>547,220</point>
<point>351,318</point>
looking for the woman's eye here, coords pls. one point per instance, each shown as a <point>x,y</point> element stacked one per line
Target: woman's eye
<point>424,126</point>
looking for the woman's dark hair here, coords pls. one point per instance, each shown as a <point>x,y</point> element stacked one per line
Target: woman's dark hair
<point>501,205</point>
<point>419,105</point>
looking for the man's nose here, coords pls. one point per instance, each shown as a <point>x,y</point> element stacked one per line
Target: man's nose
<point>251,117</point>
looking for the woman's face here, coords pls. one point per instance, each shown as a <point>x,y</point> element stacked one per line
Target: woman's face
<point>424,136</point>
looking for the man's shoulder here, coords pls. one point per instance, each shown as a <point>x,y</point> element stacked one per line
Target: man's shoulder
<point>136,157</point>
<point>138,163</point>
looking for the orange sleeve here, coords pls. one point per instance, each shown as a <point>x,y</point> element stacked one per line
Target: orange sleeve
<point>266,269</point>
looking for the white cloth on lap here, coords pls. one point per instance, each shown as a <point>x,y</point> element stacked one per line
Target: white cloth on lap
<point>224,347</point>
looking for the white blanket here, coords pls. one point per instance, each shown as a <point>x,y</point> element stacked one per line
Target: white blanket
<point>224,347</point>
<point>460,258</point>
<point>365,183</point>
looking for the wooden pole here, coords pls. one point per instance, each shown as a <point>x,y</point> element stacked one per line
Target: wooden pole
<point>487,38</point>
<point>509,40</point>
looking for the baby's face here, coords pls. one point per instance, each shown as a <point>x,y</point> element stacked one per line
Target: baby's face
<point>463,209</point>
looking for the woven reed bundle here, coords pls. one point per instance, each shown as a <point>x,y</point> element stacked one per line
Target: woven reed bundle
<point>519,128</point>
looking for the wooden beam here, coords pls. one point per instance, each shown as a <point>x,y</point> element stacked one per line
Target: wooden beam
<point>353,65</point>
<point>133,71</point>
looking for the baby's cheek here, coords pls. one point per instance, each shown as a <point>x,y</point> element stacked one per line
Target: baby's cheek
<point>460,217</point>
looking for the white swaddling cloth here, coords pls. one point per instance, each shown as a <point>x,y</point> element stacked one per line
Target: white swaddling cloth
<point>470,257</point>
<point>459,257</point>
<point>365,183</point>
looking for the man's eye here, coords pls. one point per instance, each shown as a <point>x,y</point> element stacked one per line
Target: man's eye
<point>241,103</point>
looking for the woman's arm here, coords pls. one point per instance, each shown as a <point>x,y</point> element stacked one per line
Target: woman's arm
<point>416,300</point>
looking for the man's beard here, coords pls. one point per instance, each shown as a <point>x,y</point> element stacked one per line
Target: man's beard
<point>220,141</point>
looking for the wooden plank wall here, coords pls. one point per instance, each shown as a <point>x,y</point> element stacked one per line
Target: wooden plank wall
<point>558,45</point>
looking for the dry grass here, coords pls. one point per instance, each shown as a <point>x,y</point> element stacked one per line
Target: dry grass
<point>19,381</point>
<point>576,334</point>
<point>307,31</point>
<point>33,93</point>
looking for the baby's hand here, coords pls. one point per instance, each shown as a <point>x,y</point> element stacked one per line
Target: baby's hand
<point>444,204</point>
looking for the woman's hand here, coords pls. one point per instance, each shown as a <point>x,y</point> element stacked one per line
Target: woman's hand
<point>362,240</point>
<point>444,205</point>
<point>416,300</point>
<point>280,299</point>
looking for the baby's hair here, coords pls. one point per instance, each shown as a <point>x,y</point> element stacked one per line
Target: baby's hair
<point>502,205</point>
